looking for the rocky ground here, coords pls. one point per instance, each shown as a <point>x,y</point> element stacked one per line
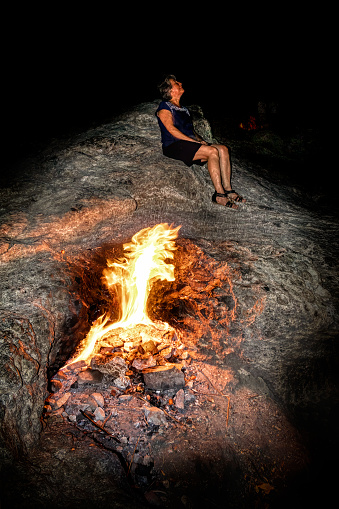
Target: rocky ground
<point>255,312</point>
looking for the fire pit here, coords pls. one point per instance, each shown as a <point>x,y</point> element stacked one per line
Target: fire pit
<point>149,381</point>
<point>142,360</point>
<point>114,351</point>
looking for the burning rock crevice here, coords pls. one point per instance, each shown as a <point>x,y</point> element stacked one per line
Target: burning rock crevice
<point>200,305</point>
<point>90,299</point>
<point>191,319</point>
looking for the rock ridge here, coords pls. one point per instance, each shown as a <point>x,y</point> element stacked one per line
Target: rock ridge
<point>276,260</point>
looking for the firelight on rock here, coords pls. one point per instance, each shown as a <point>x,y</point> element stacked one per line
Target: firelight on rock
<point>132,278</point>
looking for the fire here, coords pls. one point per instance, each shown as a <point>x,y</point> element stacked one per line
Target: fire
<point>250,125</point>
<point>132,278</point>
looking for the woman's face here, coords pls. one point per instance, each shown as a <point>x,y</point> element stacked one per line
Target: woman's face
<point>176,90</point>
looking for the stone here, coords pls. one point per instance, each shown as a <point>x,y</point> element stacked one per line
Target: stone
<point>98,398</point>
<point>125,397</point>
<point>149,346</point>
<point>60,375</point>
<point>90,376</point>
<point>112,366</point>
<point>56,385</point>
<point>113,340</point>
<point>190,397</point>
<point>121,383</point>
<point>162,378</point>
<point>131,345</point>
<point>99,414</point>
<point>167,352</point>
<point>141,364</point>
<point>153,499</point>
<point>179,400</point>
<point>74,407</point>
<point>155,416</point>
<point>91,402</point>
<point>255,383</point>
<point>76,365</point>
<point>59,402</point>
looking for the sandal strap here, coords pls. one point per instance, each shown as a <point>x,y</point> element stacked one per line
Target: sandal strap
<point>238,198</point>
<point>229,204</point>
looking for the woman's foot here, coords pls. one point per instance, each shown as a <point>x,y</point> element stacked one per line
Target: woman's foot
<point>223,199</point>
<point>234,196</point>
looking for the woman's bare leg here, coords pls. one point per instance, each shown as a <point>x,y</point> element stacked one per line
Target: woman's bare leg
<point>225,166</point>
<point>225,170</point>
<point>218,175</point>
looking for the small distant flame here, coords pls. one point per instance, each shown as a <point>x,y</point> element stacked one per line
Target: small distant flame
<point>250,125</point>
<point>132,278</point>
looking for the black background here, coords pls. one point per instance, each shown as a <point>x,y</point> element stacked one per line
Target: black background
<point>66,72</point>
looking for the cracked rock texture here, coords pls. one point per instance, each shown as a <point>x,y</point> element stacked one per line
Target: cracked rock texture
<point>276,258</point>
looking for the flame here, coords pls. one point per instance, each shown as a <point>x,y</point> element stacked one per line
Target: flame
<point>132,278</point>
<point>250,125</point>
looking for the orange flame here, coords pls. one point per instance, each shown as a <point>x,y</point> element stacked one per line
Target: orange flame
<point>132,277</point>
<point>250,125</point>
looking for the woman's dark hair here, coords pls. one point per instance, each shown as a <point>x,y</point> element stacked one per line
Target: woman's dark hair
<point>165,87</point>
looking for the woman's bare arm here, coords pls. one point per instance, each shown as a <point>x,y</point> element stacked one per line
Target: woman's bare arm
<point>166,118</point>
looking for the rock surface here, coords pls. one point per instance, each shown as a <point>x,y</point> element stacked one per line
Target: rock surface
<point>257,287</point>
<point>163,378</point>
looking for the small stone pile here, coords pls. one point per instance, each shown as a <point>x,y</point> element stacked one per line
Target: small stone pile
<point>144,362</point>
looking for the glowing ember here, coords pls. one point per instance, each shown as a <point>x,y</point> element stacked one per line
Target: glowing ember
<point>132,278</point>
<point>250,125</point>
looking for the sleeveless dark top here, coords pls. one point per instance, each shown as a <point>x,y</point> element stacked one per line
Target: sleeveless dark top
<point>181,120</point>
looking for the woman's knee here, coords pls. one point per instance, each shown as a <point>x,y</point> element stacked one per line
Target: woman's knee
<point>207,152</point>
<point>223,150</point>
<point>213,151</point>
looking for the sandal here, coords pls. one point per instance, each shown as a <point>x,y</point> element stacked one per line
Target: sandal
<point>230,204</point>
<point>238,199</point>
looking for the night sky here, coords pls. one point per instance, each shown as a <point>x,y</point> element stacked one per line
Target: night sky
<point>68,74</point>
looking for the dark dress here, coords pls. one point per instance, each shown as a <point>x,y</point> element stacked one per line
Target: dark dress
<point>173,147</point>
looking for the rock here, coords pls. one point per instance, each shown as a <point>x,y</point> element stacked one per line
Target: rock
<point>98,398</point>
<point>77,403</point>
<point>113,340</point>
<point>121,383</point>
<point>141,364</point>
<point>155,416</point>
<point>90,376</point>
<point>131,345</point>
<point>145,460</point>
<point>99,414</point>
<point>167,352</point>
<point>76,365</point>
<point>256,384</point>
<point>56,385</point>
<point>162,378</point>
<point>201,124</point>
<point>62,400</point>
<point>125,397</point>
<point>60,375</point>
<point>179,400</point>
<point>149,346</point>
<point>91,402</point>
<point>23,382</point>
<point>260,282</point>
<point>190,397</point>
<point>115,367</point>
<point>153,499</point>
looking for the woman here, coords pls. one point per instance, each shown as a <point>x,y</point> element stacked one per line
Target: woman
<point>179,141</point>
